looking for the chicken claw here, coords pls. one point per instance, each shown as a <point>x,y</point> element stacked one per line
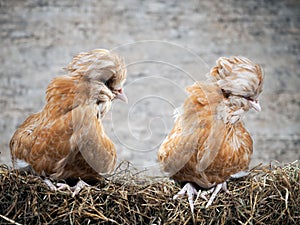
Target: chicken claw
<point>190,190</point>
<point>62,186</point>
<point>215,190</point>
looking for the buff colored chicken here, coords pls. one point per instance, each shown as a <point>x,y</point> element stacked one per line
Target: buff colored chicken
<point>209,143</point>
<point>66,139</point>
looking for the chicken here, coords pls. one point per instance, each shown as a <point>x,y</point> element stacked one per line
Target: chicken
<point>67,139</point>
<point>209,142</point>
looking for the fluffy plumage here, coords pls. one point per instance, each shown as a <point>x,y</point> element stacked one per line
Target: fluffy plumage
<point>209,142</point>
<point>66,139</point>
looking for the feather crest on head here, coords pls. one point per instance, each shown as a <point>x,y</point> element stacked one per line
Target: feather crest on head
<point>238,76</point>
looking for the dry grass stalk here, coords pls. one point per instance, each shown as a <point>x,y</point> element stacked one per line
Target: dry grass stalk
<point>270,195</point>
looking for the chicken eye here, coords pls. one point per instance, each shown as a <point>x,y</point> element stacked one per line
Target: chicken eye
<point>225,93</point>
<point>249,98</point>
<point>107,83</point>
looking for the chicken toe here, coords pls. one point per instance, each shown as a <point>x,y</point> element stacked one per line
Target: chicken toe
<point>63,186</point>
<point>215,192</point>
<point>190,191</point>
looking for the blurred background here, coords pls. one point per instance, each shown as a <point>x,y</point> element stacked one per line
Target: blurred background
<point>167,45</point>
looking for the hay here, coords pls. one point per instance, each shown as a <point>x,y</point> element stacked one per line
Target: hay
<point>270,195</point>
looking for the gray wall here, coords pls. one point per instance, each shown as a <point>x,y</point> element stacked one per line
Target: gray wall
<point>39,38</point>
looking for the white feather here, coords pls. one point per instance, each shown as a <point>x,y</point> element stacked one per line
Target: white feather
<point>19,163</point>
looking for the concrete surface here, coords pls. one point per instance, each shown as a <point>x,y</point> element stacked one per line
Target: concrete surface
<point>167,45</point>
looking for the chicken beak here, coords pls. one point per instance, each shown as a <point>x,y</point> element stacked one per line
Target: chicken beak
<point>121,95</point>
<point>255,105</point>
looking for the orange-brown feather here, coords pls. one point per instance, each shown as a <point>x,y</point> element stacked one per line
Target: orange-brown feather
<point>199,112</point>
<point>209,142</point>
<point>66,139</point>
